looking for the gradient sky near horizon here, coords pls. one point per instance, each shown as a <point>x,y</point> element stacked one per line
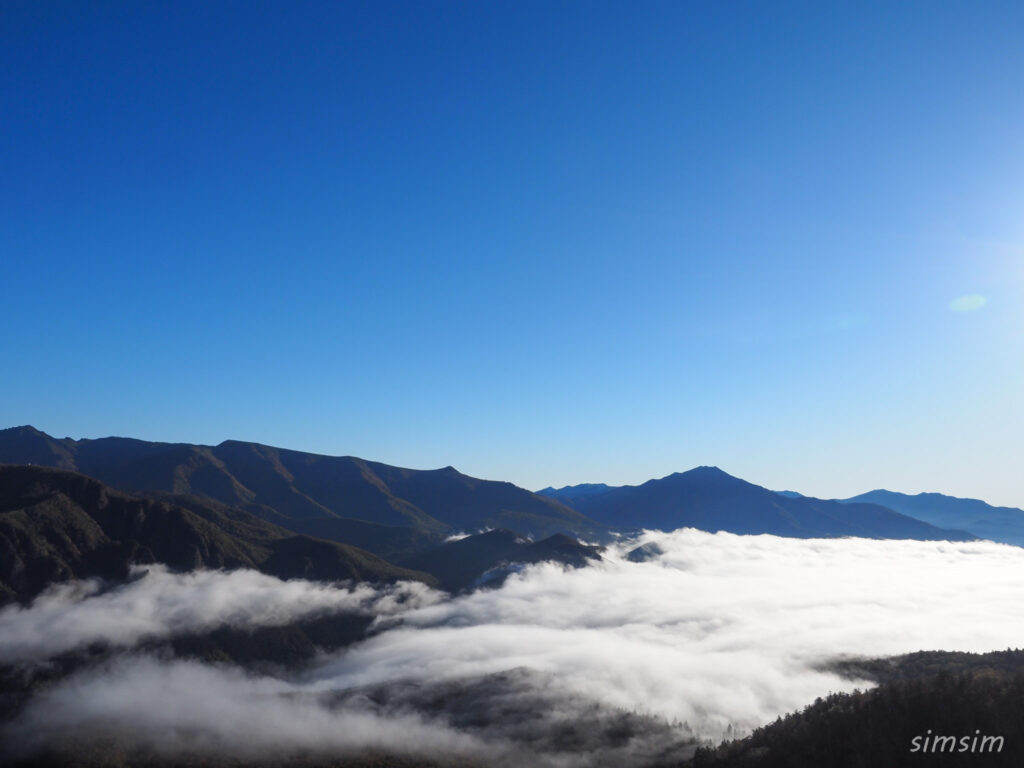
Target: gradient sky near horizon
<point>544,242</point>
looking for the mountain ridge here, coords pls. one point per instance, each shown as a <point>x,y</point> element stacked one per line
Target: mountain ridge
<point>709,498</point>
<point>296,488</point>
<point>1002,524</point>
<point>397,512</point>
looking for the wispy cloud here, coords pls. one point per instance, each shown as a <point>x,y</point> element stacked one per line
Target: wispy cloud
<point>183,707</point>
<point>970,302</point>
<point>158,603</point>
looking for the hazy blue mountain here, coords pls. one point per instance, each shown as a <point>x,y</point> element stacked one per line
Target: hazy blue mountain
<point>569,494</point>
<point>709,499</point>
<point>306,492</point>
<point>790,494</point>
<point>1005,524</point>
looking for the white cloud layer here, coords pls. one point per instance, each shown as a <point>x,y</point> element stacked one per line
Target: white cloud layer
<point>158,603</point>
<point>718,628</point>
<point>185,707</point>
<point>713,629</point>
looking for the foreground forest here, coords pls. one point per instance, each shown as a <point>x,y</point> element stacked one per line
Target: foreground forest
<point>936,693</point>
<point>920,695</point>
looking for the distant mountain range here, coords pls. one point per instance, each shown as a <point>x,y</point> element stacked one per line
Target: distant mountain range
<point>92,507</point>
<point>397,512</point>
<point>1004,524</point>
<point>338,497</point>
<point>712,500</point>
<point>571,494</point>
<point>1001,524</point>
<point>791,494</point>
<point>81,508</point>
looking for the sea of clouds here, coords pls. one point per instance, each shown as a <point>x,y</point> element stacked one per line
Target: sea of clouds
<point>708,630</point>
<point>157,603</point>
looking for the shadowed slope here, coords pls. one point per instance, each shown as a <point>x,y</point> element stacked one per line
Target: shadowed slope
<point>57,525</point>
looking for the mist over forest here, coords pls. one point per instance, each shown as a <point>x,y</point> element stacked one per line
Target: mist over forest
<point>668,642</point>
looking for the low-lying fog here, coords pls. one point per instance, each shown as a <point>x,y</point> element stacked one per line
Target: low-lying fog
<point>709,631</point>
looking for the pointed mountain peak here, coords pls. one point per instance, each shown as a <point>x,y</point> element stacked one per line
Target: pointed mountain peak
<point>25,429</point>
<point>704,474</point>
<point>709,471</point>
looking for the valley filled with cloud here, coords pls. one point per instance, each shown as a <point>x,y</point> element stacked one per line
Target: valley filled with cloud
<point>677,639</point>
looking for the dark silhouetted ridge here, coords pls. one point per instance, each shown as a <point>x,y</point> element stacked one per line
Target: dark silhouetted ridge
<point>57,525</point>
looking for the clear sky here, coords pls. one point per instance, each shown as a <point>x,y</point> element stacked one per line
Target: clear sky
<point>544,242</point>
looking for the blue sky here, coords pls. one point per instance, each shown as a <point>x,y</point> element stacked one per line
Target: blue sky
<point>544,242</point>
